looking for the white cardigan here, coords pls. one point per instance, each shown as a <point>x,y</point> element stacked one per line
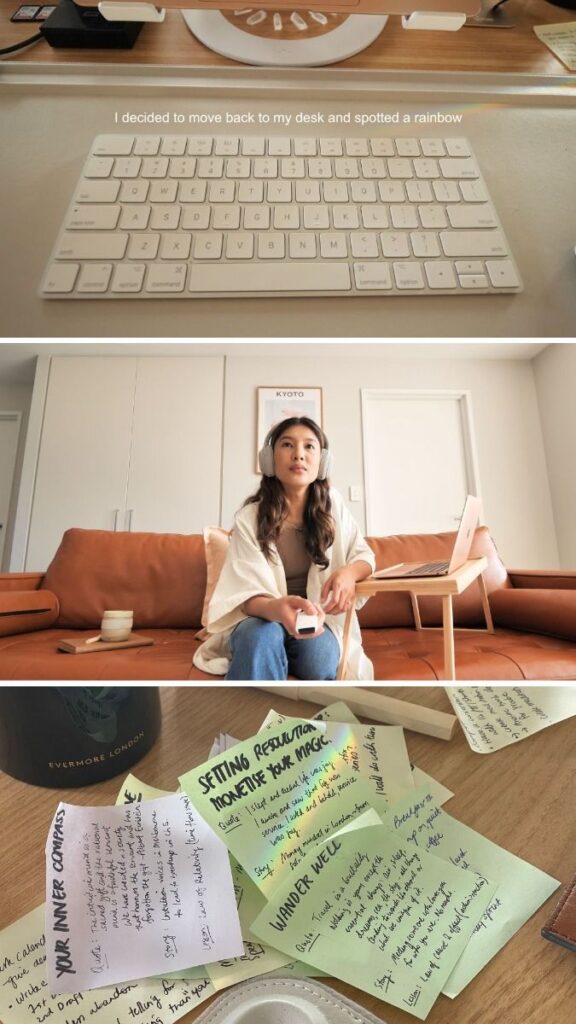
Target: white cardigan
<point>247,573</point>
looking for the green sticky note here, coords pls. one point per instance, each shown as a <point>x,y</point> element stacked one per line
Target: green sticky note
<point>376,752</point>
<point>521,888</point>
<point>277,794</point>
<point>369,908</point>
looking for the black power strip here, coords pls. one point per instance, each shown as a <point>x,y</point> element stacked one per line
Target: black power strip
<point>70,26</point>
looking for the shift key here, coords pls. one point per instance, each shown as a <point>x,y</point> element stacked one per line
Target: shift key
<point>473,243</point>
<point>93,245</point>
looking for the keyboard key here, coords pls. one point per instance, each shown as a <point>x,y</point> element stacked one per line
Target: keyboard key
<point>440,274</point>
<point>91,245</point>
<point>473,243</point>
<point>502,274</point>
<point>113,145</point>
<point>333,245</point>
<point>364,245</point>
<point>394,244</point>
<point>302,245</point>
<point>373,276</point>
<point>478,216</point>
<point>459,168</point>
<point>473,280</point>
<point>208,246</point>
<point>166,278</point>
<point>60,278</point>
<point>271,246</point>
<point>240,245</point>
<point>101,217</point>
<point>144,247</point>
<point>408,276</point>
<point>346,217</point>
<point>425,244</point>
<point>128,277</point>
<point>94,278</point>
<point>270,277</point>
<point>98,191</point>
<point>175,246</point>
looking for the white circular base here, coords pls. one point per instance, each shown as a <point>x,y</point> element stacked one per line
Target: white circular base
<point>218,34</point>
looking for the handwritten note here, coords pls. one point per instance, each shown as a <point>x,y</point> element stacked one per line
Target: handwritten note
<point>134,890</point>
<point>256,957</point>
<point>377,913</point>
<point>522,888</point>
<point>376,752</point>
<point>277,794</point>
<point>25,998</point>
<point>493,717</point>
<point>561,39</point>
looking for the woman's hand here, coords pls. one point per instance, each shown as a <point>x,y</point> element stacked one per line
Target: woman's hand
<point>286,612</point>
<point>339,591</point>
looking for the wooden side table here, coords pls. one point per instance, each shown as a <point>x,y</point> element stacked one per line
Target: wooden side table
<point>422,586</point>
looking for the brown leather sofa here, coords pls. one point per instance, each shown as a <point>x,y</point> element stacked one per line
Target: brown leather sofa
<point>163,578</point>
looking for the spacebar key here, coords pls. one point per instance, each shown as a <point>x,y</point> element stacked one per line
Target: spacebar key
<point>264,277</point>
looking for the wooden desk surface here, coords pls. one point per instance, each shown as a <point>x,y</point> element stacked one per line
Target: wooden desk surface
<point>516,50</point>
<point>522,797</point>
<point>454,583</point>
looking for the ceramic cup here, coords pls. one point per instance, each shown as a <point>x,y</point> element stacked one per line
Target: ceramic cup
<point>116,626</point>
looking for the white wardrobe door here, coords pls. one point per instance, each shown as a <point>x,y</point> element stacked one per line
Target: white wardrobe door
<point>84,451</point>
<point>175,464</point>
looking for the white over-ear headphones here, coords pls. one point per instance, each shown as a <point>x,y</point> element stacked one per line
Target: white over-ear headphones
<point>266,458</point>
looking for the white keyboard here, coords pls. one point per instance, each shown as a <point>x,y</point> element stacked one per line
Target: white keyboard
<point>184,216</point>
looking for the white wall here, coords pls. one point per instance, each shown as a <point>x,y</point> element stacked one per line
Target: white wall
<point>513,475</point>
<point>14,398</point>
<point>555,377</point>
<point>517,499</point>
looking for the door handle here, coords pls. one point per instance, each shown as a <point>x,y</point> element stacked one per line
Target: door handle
<point>116,514</point>
<point>128,520</point>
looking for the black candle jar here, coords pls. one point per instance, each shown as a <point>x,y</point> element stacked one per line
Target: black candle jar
<point>75,735</point>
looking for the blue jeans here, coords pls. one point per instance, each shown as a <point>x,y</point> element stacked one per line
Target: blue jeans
<point>264,650</point>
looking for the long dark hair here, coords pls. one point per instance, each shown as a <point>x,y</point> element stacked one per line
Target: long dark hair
<point>272,504</point>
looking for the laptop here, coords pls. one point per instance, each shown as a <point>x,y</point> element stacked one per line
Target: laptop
<point>460,552</point>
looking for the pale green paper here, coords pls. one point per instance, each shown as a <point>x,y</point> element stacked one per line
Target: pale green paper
<point>270,828</point>
<point>440,793</point>
<point>522,888</point>
<point>493,717</point>
<point>26,1000</point>
<point>258,958</point>
<point>376,752</point>
<point>379,914</point>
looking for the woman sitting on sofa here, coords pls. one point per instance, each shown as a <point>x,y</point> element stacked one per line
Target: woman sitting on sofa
<point>294,548</point>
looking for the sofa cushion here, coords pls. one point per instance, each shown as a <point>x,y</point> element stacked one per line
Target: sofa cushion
<point>216,544</point>
<point>395,609</point>
<point>550,612</point>
<point>22,611</point>
<point>161,576</point>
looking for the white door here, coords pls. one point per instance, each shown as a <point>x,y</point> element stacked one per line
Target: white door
<point>419,460</point>
<point>175,461</point>
<point>9,431</point>
<point>82,468</point>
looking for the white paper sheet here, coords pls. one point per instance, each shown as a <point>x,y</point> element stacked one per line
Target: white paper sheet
<point>134,891</point>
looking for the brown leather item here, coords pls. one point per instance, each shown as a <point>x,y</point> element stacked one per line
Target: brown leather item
<point>561,927</point>
<point>552,612</point>
<point>22,611</point>
<point>163,578</point>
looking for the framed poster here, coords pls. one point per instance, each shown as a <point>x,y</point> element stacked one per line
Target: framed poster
<point>277,404</point>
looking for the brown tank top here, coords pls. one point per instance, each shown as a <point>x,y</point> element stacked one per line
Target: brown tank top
<point>295,558</point>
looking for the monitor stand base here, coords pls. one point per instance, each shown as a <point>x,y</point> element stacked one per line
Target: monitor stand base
<point>218,34</point>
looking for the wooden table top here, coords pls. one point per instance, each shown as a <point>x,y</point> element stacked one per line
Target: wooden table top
<point>521,797</point>
<point>452,583</point>
<point>516,50</point>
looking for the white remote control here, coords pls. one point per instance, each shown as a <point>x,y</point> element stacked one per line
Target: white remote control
<point>306,623</point>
